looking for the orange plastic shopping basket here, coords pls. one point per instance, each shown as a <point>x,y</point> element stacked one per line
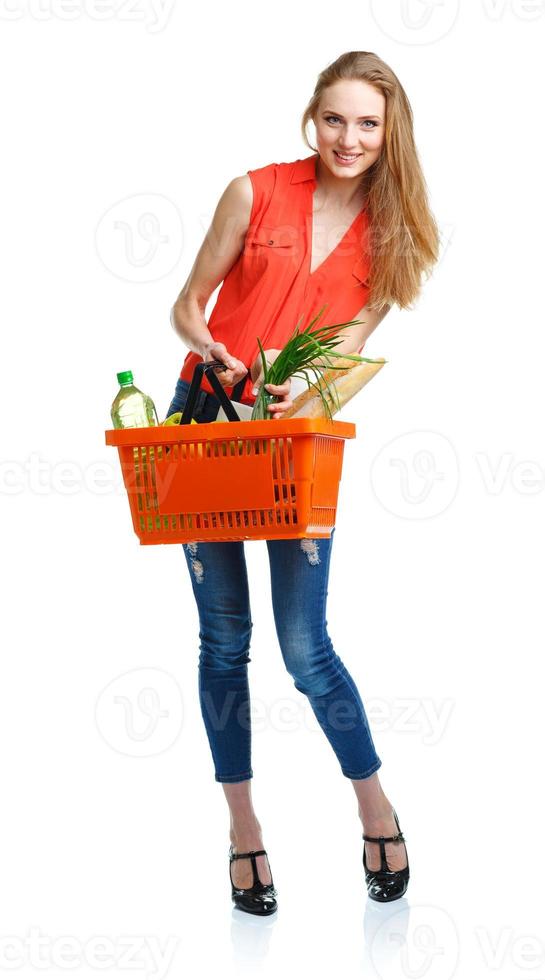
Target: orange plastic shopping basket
<point>231,481</point>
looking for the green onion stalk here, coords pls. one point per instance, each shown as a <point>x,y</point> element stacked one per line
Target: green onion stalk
<point>296,361</point>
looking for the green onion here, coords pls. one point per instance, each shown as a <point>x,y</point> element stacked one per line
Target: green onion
<point>295,361</point>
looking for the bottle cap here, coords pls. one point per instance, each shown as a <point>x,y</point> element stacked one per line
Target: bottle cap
<point>125,377</point>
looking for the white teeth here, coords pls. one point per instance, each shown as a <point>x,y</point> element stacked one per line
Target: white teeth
<point>343,157</point>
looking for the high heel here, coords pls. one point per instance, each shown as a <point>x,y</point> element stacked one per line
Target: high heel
<point>259,899</point>
<point>384,885</point>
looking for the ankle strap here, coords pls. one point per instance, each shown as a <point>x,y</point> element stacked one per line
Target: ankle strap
<point>385,839</point>
<point>246,855</point>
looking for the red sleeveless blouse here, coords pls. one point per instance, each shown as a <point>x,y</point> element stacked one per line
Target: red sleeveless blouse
<point>269,289</point>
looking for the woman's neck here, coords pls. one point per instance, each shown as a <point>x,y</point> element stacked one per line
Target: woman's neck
<point>336,193</point>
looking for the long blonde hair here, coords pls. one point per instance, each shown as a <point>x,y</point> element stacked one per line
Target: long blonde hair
<point>403,238</point>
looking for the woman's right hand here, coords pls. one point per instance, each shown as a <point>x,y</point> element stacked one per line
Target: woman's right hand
<point>235,369</point>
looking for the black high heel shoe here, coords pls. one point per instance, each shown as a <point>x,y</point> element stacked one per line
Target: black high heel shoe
<point>259,899</point>
<point>384,885</point>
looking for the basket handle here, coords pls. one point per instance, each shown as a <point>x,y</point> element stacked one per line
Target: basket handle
<point>195,385</point>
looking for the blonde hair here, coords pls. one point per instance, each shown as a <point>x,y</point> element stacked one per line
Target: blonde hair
<point>403,238</point>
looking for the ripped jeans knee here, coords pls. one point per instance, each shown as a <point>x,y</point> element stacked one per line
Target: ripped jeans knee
<point>310,547</point>
<point>196,563</point>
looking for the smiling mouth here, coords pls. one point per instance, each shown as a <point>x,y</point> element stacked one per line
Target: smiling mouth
<point>347,156</point>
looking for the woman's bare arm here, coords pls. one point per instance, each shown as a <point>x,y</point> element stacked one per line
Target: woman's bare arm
<point>355,337</point>
<point>220,249</point>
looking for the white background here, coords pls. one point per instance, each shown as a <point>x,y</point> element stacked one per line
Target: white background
<point>112,823</point>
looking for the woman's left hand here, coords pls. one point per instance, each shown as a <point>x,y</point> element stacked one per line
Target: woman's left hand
<point>283,392</point>
<point>276,408</point>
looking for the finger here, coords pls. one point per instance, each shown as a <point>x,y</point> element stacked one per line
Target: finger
<point>279,389</point>
<point>278,415</point>
<point>276,407</point>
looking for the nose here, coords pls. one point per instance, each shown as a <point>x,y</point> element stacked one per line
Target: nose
<point>349,141</point>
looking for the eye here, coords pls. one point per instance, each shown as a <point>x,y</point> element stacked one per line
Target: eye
<point>372,121</point>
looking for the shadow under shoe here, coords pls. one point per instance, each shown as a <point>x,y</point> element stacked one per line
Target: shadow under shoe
<point>384,885</point>
<point>260,899</point>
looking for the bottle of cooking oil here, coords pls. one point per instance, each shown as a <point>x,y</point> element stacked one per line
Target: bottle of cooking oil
<point>133,409</point>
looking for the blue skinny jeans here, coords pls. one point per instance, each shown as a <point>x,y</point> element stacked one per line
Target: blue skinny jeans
<point>299,570</point>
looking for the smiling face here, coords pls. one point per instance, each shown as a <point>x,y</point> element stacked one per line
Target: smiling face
<point>351,120</point>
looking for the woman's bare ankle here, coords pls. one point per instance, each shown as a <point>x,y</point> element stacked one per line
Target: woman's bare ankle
<point>246,835</point>
<point>376,812</point>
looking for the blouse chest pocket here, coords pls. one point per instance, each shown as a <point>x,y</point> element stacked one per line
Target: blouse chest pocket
<point>273,239</point>
<point>271,254</point>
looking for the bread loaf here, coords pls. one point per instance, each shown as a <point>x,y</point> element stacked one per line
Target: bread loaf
<point>348,377</point>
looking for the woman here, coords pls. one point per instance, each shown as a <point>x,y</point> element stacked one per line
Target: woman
<point>270,244</point>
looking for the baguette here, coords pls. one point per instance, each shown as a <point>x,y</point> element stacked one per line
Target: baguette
<point>347,382</point>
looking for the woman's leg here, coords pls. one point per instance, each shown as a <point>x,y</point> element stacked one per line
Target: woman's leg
<point>224,612</point>
<point>220,585</point>
<point>376,814</point>
<point>246,835</point>
<point>299,581</point>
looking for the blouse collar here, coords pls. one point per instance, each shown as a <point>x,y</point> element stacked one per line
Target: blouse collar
<point>304,169</point>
